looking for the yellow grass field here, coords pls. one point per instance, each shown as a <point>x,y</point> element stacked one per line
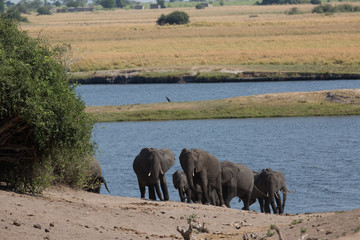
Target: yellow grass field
<point>236,37</point>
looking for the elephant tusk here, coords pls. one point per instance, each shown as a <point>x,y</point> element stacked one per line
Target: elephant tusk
<point>193,174</point>
<point>149,174</point>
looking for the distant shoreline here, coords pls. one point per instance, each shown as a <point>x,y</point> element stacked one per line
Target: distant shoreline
<point>215,77</point>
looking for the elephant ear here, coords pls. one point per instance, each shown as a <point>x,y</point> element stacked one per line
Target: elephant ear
<point>200,159</point>
<point>168,158</point>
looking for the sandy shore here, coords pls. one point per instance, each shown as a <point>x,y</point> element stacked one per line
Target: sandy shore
<point>64,213</point>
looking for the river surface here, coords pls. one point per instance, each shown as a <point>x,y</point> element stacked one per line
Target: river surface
<point>122,94</point>
<point>318,155</point>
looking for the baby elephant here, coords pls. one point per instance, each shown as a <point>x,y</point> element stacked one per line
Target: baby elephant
<point>181,183</point>
<point>96,179</point>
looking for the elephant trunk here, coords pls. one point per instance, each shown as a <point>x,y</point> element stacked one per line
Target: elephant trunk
<point>102,179</point>
<point>190,179</point>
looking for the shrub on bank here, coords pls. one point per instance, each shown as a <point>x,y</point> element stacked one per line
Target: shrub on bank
<point>328,8</point>
<point>45,135</point>
<point>177,17</point>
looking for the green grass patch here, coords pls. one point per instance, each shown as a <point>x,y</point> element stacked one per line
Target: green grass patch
<point>321,103</point>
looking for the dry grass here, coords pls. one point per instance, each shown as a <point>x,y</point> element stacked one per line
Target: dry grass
<point>320,103</point>
<point>237,36</point>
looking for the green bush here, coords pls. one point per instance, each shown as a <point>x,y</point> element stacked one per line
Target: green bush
<point>328,8</point>
<point>315,2</point>
<point>44,10</point>
<point>293,11</point>
<point>45,135</point>
<point>270,2</point>
<point>199,6</point>
<point>177,17</point>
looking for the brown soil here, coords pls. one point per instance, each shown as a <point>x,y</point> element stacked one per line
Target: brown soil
<point>63,213</point>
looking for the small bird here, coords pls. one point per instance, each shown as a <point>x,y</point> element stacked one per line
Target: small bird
<point>168,99</point>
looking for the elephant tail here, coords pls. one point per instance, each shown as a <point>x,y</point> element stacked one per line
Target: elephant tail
<point>287,191</point>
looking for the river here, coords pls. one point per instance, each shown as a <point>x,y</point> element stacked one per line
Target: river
<point>318,155</point>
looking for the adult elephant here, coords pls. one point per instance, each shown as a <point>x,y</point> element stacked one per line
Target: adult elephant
<point>237,180</point>
<point>268,184</point>
<point>150,166</point>
<point>96,178</point>
<point>203,169</point>
<point>181,184</point>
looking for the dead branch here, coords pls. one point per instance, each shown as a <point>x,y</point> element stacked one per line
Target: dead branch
<point>278,232</point>
<point>187,235</point>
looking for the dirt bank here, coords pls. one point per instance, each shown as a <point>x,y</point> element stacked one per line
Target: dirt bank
<point>200,76</point>
<point>63,213</point>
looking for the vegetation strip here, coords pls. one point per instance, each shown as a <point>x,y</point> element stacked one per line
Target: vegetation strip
<point>296,104</point>
<point>211,77</point>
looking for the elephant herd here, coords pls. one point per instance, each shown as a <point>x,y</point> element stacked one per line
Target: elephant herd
<point>206,180</point>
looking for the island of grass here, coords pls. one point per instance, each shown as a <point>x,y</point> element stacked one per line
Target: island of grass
<point>294,104</point>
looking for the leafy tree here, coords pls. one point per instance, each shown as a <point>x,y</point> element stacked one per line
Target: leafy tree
<point>14,13</point>
<point>45,135</point>
<point>23,8</point>
<point>46,10</point>
<point>177,17</point>
<point>72,3</point>
<point>107,3</point>
<point>35,4</point>
<point>2,6</point>
<point>161,3</point>
<point>121,3</point>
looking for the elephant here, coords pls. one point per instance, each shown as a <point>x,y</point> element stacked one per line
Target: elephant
<point>150,166</point>
<point>181,184</point>
<point>237,180</point>
<point>96,178</point>
<point>267,185</point>
<point>203,169</point>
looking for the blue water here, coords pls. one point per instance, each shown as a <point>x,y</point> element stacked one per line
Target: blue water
<point>318,155</point>
<point>121,94</point>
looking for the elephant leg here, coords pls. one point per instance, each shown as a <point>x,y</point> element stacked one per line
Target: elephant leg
<point>261,203</point>
<point>219,192</point>
<point>142,190</point>
<point>204,189</point>
<point>272,203</point>
<point>158,192</point>
<point>152,195</point>
<point>164,187</point>
<point>188,194</point>
<point>278,202</point>
<point>181,194</point>
<point>226,196</point>
<point>267,205</point>
<point>246,200</point>
<point>284,200</point>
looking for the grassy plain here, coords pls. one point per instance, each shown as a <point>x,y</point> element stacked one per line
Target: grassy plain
<point>250,38</point>
<point>320,103</point>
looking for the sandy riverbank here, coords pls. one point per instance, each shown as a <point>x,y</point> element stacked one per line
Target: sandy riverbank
<point>64,213</point>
